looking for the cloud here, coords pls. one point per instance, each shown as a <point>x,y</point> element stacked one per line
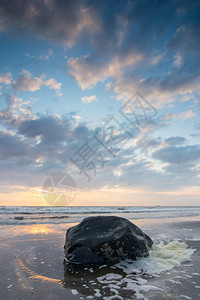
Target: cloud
<point>108,87</point>
<point>145,143</point>
<point>89,99</point>
<point>177,59</point>
<point>178,155</point>
<point>27,82</point>
<point>186,35</point>
<point>11,147</point>
<point>15,112</point>
<point>156,59</point>
<point>44,144</point>
<point>115,41</point>
<point>179,116</point>
<point>183,169</point>
<point>53,85</point>
<point>6,78</point>
<point>162,71</point>
<point>187,115</point>
<point>39,146</point>
<point>47,56</point>
<point>2,24</point>
<point>88,70</point>
<point>77,118</point>
<point>49,130</point>
<point>63,21</point>
<point>163,63</point>
<point>175,140</point>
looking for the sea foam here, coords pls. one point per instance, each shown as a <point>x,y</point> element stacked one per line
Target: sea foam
<point>165,257</point>
<point>162,258</point>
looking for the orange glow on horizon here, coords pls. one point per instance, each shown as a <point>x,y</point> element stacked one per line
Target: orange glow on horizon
<point>106,196</point>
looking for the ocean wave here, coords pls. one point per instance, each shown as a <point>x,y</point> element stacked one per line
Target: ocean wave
<point>11,215</point>
<point>91,209</point>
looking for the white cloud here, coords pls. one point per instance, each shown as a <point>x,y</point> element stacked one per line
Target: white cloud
<point>6,78</point>
<point>48,55</point>
<point>177,59</point>
<point>125,87</point>
<point>188,115</point>
<point>45,56</point>
<point>108,86</point>
<point>156,59</point>
<point>53,85</point>
<point>16,111</point>
<point>117,172</point>
<point>180,116</point>
<point>27,82</point>
<point>77,118</point>
<point>89,99</point>
<point>88,72</point>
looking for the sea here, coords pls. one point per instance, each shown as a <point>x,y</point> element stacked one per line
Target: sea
<point>22,215</point>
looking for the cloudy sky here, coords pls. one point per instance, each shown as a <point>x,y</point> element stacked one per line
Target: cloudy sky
<point>106,92</point>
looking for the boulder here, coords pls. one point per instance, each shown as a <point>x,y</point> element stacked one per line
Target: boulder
<point>105,239</point>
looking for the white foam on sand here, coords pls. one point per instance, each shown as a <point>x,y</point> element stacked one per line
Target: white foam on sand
<point>74,292</point>
<point>162,258</point>
<point>165,257</point>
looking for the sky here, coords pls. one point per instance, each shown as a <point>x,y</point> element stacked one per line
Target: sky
<point>100,99</point>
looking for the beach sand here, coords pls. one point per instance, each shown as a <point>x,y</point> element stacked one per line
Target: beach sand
<point>31,258</point>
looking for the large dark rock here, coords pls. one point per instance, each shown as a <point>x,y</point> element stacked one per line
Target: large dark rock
<point>105,239</point>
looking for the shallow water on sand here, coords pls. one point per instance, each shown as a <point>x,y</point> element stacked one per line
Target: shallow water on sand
<point>32,265</point>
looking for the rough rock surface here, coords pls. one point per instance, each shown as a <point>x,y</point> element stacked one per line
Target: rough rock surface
<point>105,239</point>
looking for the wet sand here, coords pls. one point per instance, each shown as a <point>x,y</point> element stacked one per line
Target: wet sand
<point>31,258</point>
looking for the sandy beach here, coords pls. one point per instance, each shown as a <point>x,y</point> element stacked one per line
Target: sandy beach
<point>32,265</point>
